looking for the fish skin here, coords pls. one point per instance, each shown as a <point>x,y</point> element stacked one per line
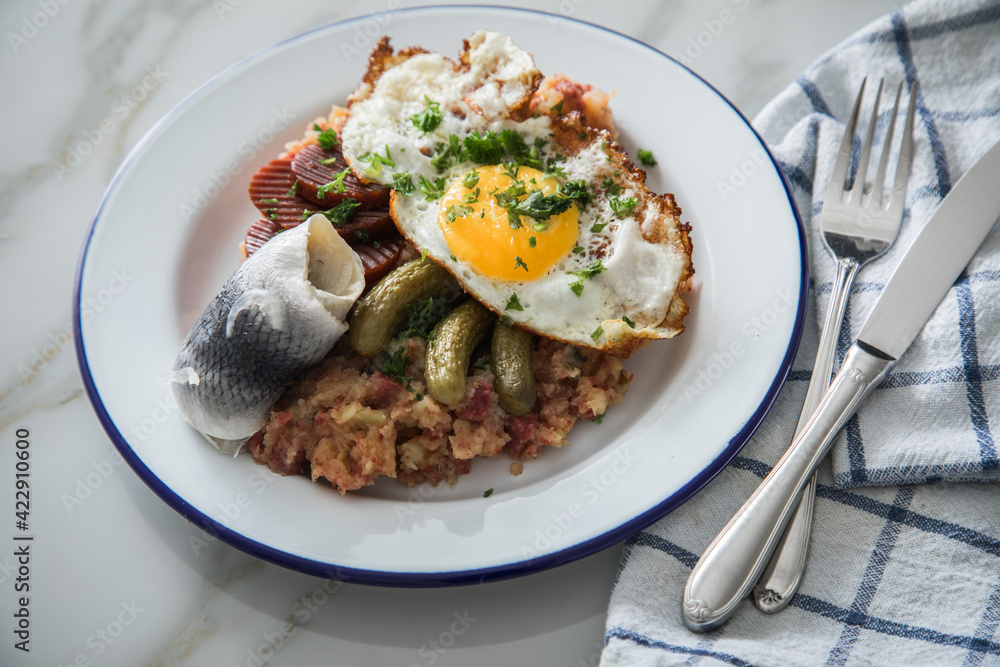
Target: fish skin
<point>280,324</point>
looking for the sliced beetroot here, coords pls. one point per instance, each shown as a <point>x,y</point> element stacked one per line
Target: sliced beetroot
<point>313,167</point>
<point>271,191</point>
<point>260,233</point>
<point>379,260</point>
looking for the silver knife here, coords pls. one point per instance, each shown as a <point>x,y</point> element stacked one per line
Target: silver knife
<point>726,572</point>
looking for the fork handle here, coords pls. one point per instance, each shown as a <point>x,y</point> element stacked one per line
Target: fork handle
<point>731,564</point>
<point>784,571</point>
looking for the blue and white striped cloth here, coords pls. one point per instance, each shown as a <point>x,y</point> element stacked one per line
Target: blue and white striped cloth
<point>904,566</point>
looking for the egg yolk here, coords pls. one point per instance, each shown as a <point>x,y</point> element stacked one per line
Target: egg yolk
<point>481,231</point>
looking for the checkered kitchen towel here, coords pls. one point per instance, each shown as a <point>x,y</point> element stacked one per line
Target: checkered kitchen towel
<point>897,575</point>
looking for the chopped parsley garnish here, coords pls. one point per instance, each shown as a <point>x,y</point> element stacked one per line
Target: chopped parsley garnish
<point>505,146</point>
<point>431,190</point>
<point>487,493</point>
<point>271,213</point>
<point>482,365</point>
<point>269,201</point>
<point>511,169</point>
<point>327,139</point>
<point>402,183</point>
<point>627,321</point>
<point>423,254</point>
<point>531,242</point>
<point>337,185</point>
<point>646,157</point>
<point>513,303</point>
<point>447,154</point>
<point>592,270</point>
<point>421,316</point>
<point>622,207</point>
<point>558,108</point>
<point>577,191</point>
<point>305,214</point>
<point>471,197</point>
<point>597,333</point>
<point>294,189</point>
<point>587,273</point>
<point>507,321</point>
<point>578,249</point>
<point>428,119</point>
<point>363,235</point>
<point>471,179</point>
<point>537,205</point>
<point>598,227</point>
<point>376,162</point>
<point>394,365</point>
<point>598,418</point>
<point>342,212</point>
<point>456,211</point>
<point>519,264</point>
<point>608,185</point>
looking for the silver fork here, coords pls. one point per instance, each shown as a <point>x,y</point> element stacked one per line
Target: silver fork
<point>859,224</point>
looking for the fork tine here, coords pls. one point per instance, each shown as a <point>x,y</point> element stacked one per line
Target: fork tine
<point>866,149</point>
<point>883,163</point>
<point>838,179</point>
<point>905,151</point>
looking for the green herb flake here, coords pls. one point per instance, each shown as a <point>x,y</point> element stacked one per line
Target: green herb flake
<point>471,179</point>
<point>578,249</point>
<point>423,254</point>
<point>531,242</point>
<point>622,207</point>
<point>507,321</point>
<point>471,197</point>
<point>271,213</point>
<point>513,303</point>
<point>292,191</point>
<point>428,119</point>
<point>558,108</point>
<point>432,190</point>
<point>519,264</point>
<point>337,185</point>
<point>646,157</point>
<point>342,212</point>
<point>627,321</point>
<point>598,418</point>
<point>327,139</point>
<point>610,187</point>
<point>590,271</point>
<point>363,235</point>
<point>402,182</point>
<point>456,211</point>
<point>269,201</point>
<point>598,332</point>
<point>577,287</point>
<point>487,493</point>
<point>598,227</point>
<point>376,162</point>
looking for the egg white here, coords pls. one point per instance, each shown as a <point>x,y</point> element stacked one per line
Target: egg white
<point>630,297</point>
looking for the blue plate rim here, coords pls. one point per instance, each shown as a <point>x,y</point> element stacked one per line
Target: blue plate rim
<point>448,578</point>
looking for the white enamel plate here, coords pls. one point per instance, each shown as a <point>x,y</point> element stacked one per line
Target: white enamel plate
<point>165,239</point>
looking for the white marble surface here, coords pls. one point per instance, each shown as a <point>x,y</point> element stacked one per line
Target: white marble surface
<point>117,577</point>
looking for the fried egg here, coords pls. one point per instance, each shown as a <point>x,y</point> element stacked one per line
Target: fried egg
<point>542,219</point>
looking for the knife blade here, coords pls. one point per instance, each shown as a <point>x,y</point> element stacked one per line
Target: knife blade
<point>728,568</point>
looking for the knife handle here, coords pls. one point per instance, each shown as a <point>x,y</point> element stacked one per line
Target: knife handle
<point>733,562</point>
